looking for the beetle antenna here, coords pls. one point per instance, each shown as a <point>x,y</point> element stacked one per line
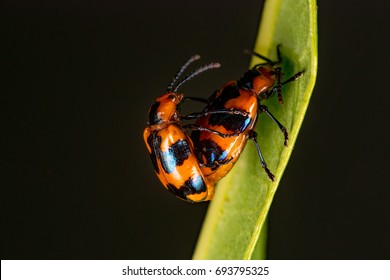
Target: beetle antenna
<point>181,70</point>
<point>197,72</point>
<point>269,61</point>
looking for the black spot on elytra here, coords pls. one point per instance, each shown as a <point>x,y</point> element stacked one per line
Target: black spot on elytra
<point>194,185</point>
<point>246,81</point>
<point>233,122</point>
<point>153,114</point>
<point>228,93</point>
<point>154,142</point>
<point>212,152</point>
<point>175,156</point>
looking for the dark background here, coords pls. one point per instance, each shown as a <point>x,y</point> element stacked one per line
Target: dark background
<point>78,78</point>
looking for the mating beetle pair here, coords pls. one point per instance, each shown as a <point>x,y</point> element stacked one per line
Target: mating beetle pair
<point>189,166</point>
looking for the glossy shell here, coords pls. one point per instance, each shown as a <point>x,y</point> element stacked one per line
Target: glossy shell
<point>175,163</point>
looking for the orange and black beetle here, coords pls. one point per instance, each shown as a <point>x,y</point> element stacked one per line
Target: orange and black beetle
<point>216,154</point>
<point>171,150</point>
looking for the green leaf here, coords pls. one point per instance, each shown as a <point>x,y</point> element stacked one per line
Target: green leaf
<point>238,212</point>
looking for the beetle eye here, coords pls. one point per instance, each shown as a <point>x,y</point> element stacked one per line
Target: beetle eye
<point>171,97</point>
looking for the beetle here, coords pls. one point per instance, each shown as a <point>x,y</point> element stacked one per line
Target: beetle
<point>171,149</point>
<point>217,155</point>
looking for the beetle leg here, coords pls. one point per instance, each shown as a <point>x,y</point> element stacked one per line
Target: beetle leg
<point>231,111</point>
<point>279,76</point>
<point>201,128</point>
<point>268,61</point>
<point>217,164</point>
<point>279,53</point>
<point>214,165</point>
<point>276,88</point>
<point>263,108</point>
<point>253,136</point>
<point>294,77</point>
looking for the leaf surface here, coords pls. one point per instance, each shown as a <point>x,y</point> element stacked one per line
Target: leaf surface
<point>237,214</point>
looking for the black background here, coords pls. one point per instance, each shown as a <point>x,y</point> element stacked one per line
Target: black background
<point>78,78</point>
